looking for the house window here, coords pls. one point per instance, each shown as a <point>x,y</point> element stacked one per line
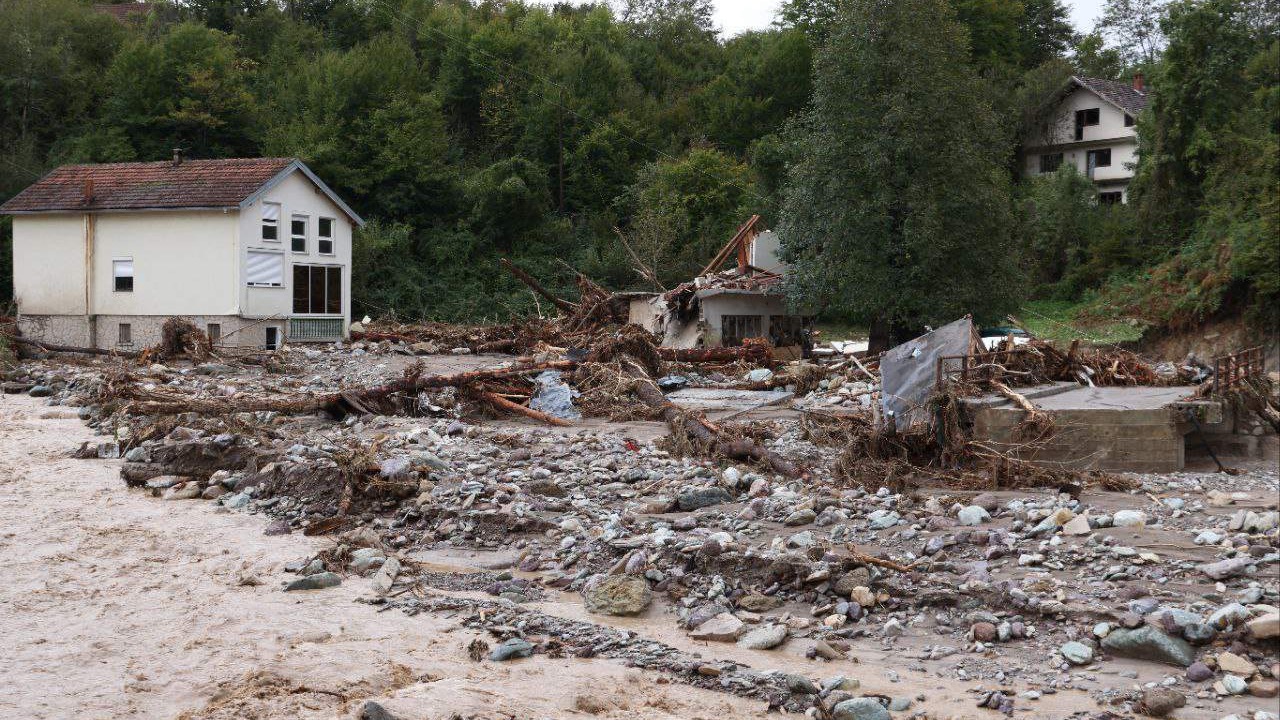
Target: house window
<point>214,331</point>
<point>736,328</point>
<point>317,290</point>
<point>271,221</point>
<point>1128,120</point>
<point>273,338</point>
<point>298,233</point>
<point>1110,198</point>
<point>125,331</point>
<point>324,236</point>
<point>122,274</point>
<point>264,269</point>
<point>1099,158</point>
<point>1050,162</point>
<point>1085,118</point>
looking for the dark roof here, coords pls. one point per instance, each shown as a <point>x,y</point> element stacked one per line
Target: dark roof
<point>1117,92</point>
<point>229,183</point>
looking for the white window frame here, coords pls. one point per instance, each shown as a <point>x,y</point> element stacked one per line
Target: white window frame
<point>121,330</point>
<point>271,222</point>
<point>277,254</point>
<point>320,239</point>
<point>116,274</point>
<point>306,233</point>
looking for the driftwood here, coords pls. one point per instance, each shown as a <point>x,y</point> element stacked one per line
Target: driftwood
<point>50,347</point>
<point>339,404</point>
<point>504,404</point>
<point>755,352</point>
<point>710,435</point>
<point>524,277</point>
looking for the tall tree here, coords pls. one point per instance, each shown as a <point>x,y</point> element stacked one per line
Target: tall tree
<point>1133,26</point>
<point>898,211</point>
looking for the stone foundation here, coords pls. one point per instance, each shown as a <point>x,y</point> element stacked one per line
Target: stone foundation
<point>144,330</point>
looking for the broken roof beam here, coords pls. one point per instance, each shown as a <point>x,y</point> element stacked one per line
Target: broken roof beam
<point>737,244</point>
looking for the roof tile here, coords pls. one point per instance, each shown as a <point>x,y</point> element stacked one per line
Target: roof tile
<point>147,185</point>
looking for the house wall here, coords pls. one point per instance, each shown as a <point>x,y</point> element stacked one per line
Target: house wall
<point>764,252</point>
<point>715,307</point>
<point>296,194</point>
<point>49,264</point>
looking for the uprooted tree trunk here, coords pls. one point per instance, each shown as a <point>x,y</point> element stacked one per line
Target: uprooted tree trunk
<point>709,435</point>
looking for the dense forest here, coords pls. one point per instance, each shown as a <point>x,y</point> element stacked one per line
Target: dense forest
<point>882,139</point>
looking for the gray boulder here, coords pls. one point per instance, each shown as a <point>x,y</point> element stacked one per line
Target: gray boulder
<point>1148,643</point>
<point>860,709</point>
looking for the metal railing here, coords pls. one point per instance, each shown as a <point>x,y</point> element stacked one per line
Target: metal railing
<point>1231,370</point>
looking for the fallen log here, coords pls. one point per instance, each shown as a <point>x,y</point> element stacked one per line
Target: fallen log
<point>505,404</point>
<point>758,353</point>
<point>709,435</point>
<point>524,277</point>
<point>50,347</point>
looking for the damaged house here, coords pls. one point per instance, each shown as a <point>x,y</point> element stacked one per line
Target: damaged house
<point>253,250</point>
<point>726,308</point>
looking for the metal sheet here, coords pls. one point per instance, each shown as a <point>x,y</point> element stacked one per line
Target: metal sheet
<point>907,372</point>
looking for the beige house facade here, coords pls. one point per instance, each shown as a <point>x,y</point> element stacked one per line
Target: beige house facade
<point>256,251</point>
<point>1093,127</point>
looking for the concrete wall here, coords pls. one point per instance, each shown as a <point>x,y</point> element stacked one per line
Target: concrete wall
<point>183,263</point>
<point>1124,440</point>
<point>49,265</point>
<point>715,307</point>
<point>764,252</point>
<point>296,194</point>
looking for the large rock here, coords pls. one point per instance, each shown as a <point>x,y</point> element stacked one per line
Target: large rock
<point>973,515</point>
<point>860,709</point>
<point>1077,653</point>
<point>724,627</point>
<point>1129,518</point>
<point>1148,643</point>
<point>318,581</point>
<point>696,498</point>
<point>764,638</point>
<point>1224,569</point>
<point>617,595</point>
<point>1264,627</point>
<point>1162,701</point>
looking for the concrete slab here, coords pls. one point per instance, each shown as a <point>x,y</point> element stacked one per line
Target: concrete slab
<point>1115,398</point>
<point>734,401</point>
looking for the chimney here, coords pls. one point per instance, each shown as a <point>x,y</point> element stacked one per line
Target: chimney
<point>177,157</point>
<point>88,191</point>
<point>1138,83</point>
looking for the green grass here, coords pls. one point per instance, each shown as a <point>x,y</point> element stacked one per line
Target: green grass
<point>839,330</point>
<point>1056,320</point>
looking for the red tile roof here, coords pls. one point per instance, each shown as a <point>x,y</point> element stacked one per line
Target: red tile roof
<point>123,11</point>
<point>147,185</point>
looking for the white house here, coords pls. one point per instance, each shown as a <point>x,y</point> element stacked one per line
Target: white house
<point>254,250</point>
<point>1093,129</point>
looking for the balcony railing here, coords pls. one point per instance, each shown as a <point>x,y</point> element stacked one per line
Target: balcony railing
<point>309,329</point>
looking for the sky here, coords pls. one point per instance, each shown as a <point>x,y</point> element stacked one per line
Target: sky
<point>735,16</point>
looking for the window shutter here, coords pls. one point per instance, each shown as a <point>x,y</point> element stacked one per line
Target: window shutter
<point>270,211</point>
<point>122,268</point>
<point>264,268</point>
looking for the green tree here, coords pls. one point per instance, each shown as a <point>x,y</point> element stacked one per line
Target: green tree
<point>898,211</point>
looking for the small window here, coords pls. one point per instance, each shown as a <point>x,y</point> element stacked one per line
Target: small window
<point>1110,198</point>
<point>317,290</point>
<point>264,269</point>
<point>214,331</point>
<point>273,338</point>
<point>736,328</point>
<point>298,233</point>
<point>125,334</point>
<point>1128,120</point>
<point>271,221</point>
<point>1099,158</point>
<point>1050,162</point>
<point>324,236</point>
<point>122,274</point>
